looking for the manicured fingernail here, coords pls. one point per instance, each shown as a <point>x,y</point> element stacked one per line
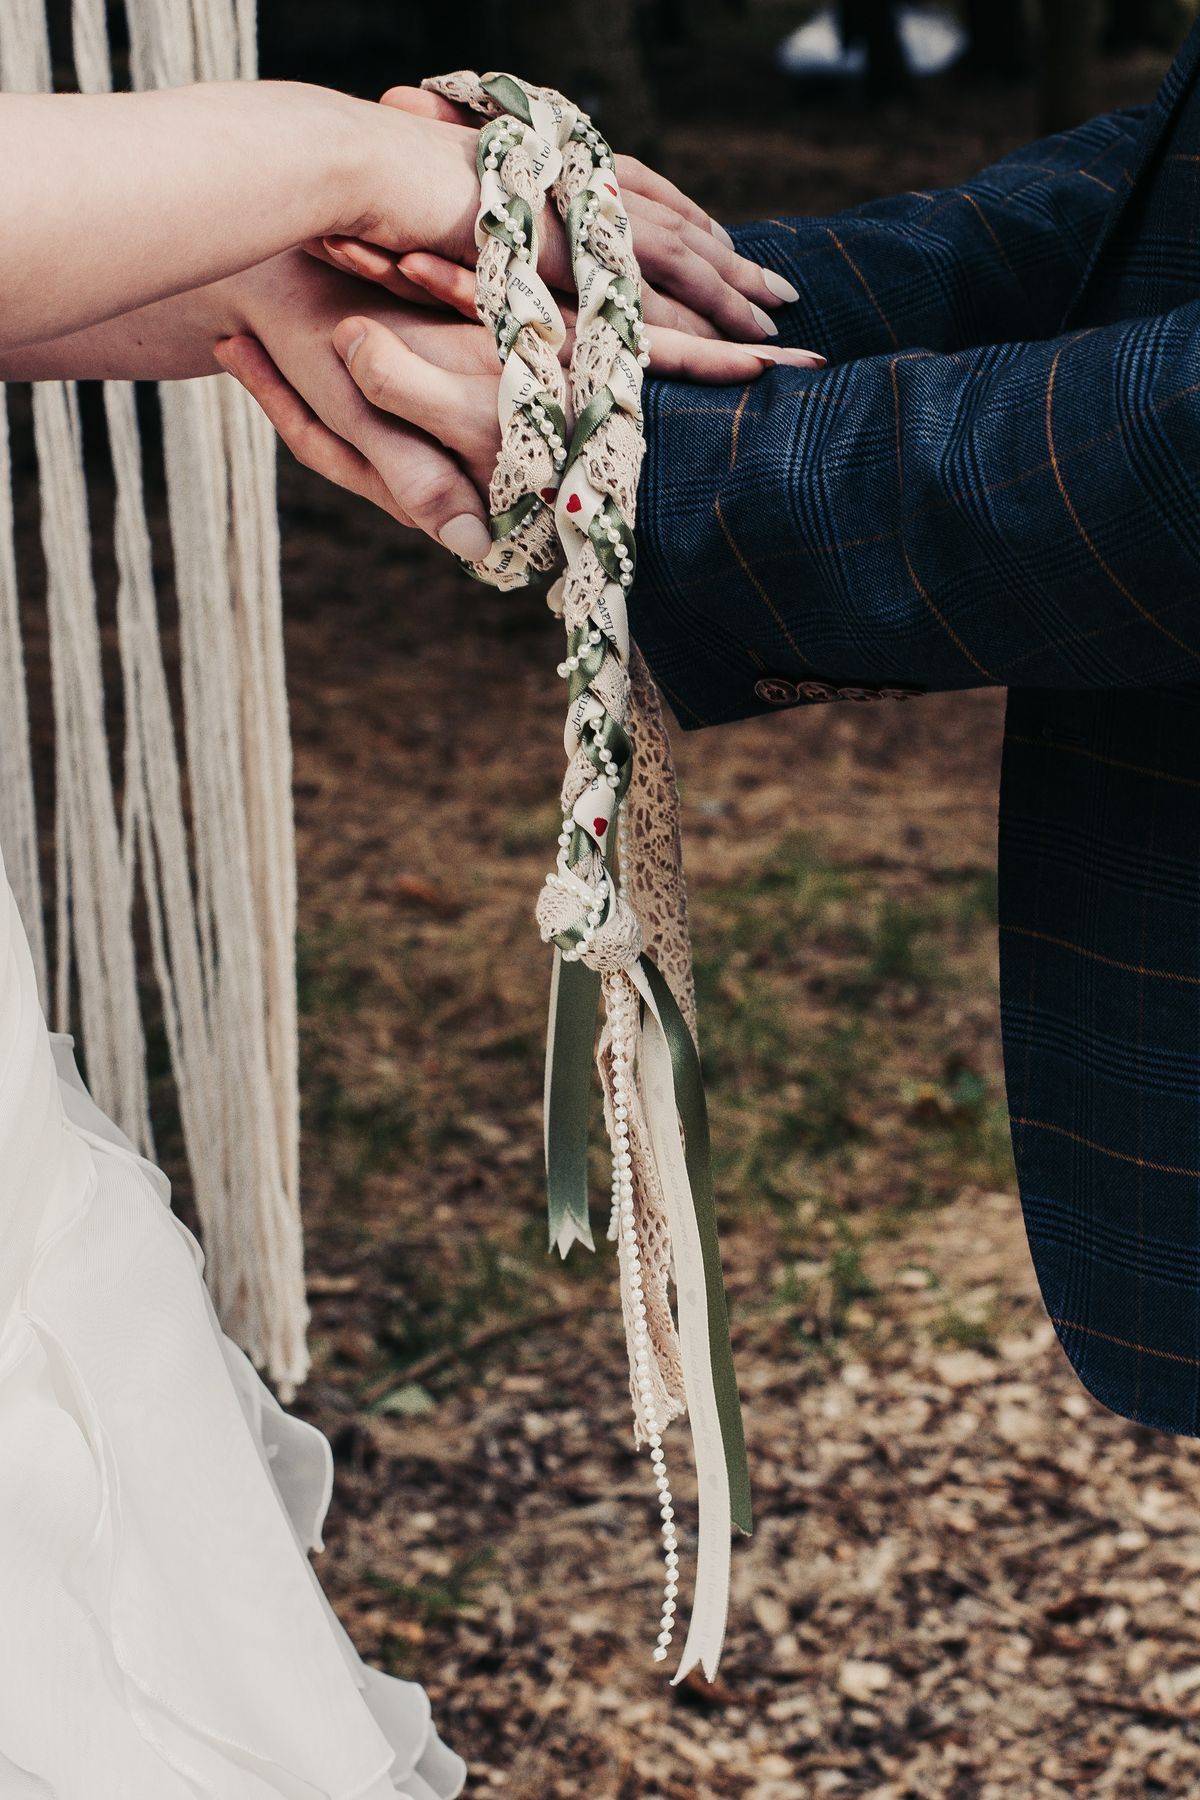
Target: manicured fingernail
<point>765,320</point>
<point>783,290</point>
<point>790,359</point>
<point>466,536</point>
<point>719,231</point>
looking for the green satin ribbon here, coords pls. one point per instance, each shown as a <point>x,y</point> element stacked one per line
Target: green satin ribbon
<point>693,1117</point>
<point>618,318</point>
<point>508,95</point>
<point>568,1091</point>
<point>589,420</point>
<point>573,1013</point>
<point>505,523</point>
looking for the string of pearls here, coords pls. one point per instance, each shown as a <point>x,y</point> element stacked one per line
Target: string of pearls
<point>591,642</point>
<point>622,1023</point>
<point>624,560</point>
<point>549,431</point>
<point>508,133</point>
<point>634,316</point>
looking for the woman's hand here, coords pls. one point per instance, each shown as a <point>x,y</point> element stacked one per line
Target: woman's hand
<point>695,281</point>
<point>128,199</point>
<point>146,196</point>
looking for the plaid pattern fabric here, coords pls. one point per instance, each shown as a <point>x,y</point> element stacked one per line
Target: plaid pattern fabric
<point>1100,864</point>
<point>966,499</point>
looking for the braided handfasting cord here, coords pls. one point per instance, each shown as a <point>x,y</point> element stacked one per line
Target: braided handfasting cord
<point>583,496</point>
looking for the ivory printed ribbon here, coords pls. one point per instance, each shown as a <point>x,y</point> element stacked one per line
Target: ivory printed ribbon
<point>565,486</point>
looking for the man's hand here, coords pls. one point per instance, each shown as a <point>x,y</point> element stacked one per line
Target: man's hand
<point>285,357</point>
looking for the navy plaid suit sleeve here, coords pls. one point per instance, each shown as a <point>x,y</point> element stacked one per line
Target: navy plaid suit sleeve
<point>998,257</point>
<point>1022,515</point>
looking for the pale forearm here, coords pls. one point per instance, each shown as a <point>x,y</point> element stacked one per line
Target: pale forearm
<point>168,340</point>
<point>121,200</point>
<point>174,339</point>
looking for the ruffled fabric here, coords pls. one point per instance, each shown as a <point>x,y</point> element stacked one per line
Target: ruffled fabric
<point>162,1635</point>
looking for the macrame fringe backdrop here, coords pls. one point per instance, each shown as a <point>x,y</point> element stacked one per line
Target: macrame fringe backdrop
<point>565,488</point>
<point>216,875</point>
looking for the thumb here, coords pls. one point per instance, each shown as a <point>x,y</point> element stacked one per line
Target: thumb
<point>426,105</point>
<point>419,466</point>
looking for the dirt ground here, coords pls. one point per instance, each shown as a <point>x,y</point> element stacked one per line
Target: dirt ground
<point>967,1580</point>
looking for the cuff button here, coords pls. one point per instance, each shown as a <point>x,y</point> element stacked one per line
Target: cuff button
<point>774,690</point>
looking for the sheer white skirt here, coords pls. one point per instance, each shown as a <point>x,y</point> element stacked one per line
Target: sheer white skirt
<point>162,1636</point>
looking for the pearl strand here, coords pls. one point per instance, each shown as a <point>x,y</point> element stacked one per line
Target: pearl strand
<point>614,1217</point>
<point>622,1026</point>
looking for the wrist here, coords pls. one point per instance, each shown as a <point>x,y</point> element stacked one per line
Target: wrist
<point>343,147</point>
<point>310,145</point>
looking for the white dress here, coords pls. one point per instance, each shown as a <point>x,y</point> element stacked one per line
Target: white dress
<point>162,1636</point>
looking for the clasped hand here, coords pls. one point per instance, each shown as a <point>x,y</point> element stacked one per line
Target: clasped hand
<point>407,418</point>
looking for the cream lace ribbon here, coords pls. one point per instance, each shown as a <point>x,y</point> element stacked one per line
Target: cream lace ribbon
<point>566,484</point>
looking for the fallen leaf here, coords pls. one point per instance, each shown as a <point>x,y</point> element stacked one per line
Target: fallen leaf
<point>420,891</point>
<point>862,1681</point>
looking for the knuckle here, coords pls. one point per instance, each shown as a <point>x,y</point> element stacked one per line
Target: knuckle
<point>429,492</point>
<point>710,284</point>
<point>374,377</point>
<point>303,445</point>
<point>677,248</point>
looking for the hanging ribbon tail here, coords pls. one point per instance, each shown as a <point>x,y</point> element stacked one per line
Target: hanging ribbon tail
<point>673,1093</point>
<point>570,1044</point>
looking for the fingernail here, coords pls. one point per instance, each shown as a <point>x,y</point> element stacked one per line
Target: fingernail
<point>789,359</point>
<point>783,290</point>
<point>719,231</point>
<point>334,250</point>
<point>765,320</point>
<point>348,351</point>
<point>466,536</point>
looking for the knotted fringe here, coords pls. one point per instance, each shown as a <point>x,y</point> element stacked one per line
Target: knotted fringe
<point>217,877</point>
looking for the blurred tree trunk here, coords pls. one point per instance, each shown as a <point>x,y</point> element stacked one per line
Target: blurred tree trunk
<point>594,54</point>
<point>999,39</point>
<point>1070,30</point>
<point>873,24</point>
<point>1127,24</point>
<point>1134,23</point>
